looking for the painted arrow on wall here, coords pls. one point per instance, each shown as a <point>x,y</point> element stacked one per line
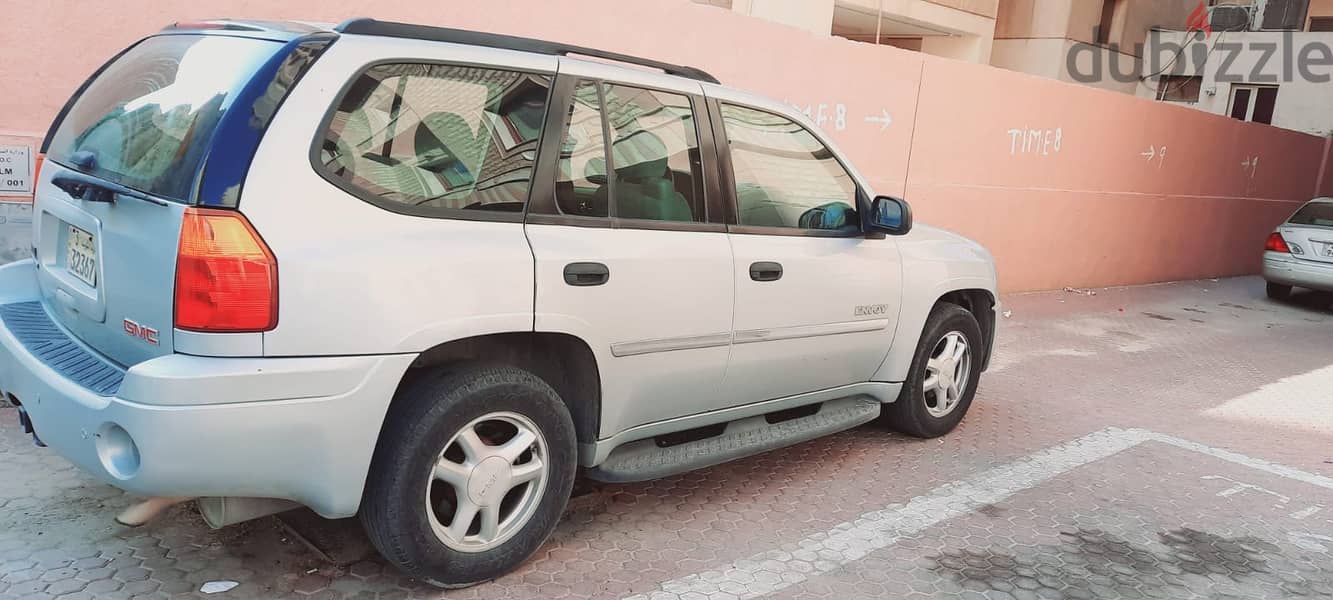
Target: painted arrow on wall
<point>883,119</point>
<point>1157,153</point>
<point>1250,164</point>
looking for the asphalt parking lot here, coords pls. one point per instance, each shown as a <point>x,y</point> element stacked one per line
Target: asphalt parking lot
<point>1170,441</point>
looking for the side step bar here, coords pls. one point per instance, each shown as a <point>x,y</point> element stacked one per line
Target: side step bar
<point>645,459</point>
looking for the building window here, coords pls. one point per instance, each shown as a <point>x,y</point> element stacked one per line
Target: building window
<point>1253,103</point>
<point>1179,88</point>
<point>1285,14</point>
<point>1321,24</point>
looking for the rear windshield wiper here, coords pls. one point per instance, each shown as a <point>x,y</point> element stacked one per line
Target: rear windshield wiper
<point>92,189</point>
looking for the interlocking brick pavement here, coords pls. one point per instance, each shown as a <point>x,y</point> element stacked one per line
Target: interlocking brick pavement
<point>1210,363</point>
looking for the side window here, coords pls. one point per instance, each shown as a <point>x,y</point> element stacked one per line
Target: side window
<point>655,155</point>
<point>432,138</point>
<point>580,183</point>
<point>784,176</point>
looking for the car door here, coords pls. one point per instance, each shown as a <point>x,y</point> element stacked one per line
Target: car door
<point>816,299</point>
<point>626,258</point>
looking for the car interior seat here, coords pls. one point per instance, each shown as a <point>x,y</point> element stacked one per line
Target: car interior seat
<point>643,183</point>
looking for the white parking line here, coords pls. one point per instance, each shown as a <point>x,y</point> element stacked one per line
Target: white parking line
<point>1247,461</point>
<point>827,551</point>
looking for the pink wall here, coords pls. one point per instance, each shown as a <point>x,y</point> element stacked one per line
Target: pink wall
<point>1091,210</point>
<point>1098,210</point>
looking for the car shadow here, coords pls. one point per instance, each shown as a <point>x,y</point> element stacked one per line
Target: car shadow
<point>1319,302</point>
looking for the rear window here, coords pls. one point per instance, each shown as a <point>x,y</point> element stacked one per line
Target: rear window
<point>147,120</point>
<point>434,139</point>
<point>1317,213</point>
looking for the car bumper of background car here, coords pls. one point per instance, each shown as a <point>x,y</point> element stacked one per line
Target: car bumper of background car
<point>1285,270</point>
<point>300,429</point>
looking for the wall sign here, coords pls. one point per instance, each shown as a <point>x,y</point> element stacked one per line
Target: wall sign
<point>15,170</point>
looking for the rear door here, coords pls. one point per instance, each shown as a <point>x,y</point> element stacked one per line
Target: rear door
<point>107,264</point>
<point>1311,229</point>
<point>626,257</point>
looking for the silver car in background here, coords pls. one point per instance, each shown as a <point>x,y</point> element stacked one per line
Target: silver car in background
<point>1300,252</point>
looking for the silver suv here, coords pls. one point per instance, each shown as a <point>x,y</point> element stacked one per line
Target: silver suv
<point>423,275</point>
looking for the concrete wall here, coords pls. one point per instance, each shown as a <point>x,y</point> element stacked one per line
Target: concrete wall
<point>1112,189</point>
<point>1037,36</point>
<point>985,8</point>
<point>1032,36</point>
<point>1318,8</point>
<point>1133,19</point>
<point>1054,178</point>
<point>969,24</point>
<point>813,16</point>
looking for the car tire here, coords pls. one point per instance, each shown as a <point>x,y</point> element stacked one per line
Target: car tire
<point>918,411</point>
<point>1278,291</point>
<point>464,416</point>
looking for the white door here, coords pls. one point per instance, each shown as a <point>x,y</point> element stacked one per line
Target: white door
<point>816,300</point>
<point>625,257</point>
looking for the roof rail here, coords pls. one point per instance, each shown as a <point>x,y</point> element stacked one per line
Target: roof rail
<point>367,26</point>
<point>254,28</point>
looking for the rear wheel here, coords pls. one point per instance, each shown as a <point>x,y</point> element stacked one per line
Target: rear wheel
<point>1278,291</point>
<point>473,470</point>
<point>943,377</point>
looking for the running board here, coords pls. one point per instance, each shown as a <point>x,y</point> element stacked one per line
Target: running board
<point>643,460</point>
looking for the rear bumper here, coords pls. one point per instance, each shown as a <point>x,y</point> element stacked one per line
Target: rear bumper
<point>1285,270</point>
<point>301,429</point>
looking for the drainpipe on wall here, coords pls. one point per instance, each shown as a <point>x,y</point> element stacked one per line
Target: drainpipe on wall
<point>1319,187</point>
<point>879,21</point>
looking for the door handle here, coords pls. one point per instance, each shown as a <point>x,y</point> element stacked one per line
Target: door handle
<point>582,274</point>
<point>765,271</point>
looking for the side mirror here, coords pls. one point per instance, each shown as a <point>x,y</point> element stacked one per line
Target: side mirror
<point>890,215</point>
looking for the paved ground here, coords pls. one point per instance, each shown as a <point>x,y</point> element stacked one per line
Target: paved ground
<point>1170,441</point>
<point>15,231</point>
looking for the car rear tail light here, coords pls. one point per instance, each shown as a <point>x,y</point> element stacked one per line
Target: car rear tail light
<point>37,167</point>
<point>226,277</point>
<point>1277,244</point>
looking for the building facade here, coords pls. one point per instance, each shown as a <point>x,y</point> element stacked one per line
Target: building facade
<point>1265,62</point>
<point>1095,42</point>
<point>1207,54</point>
<point>960,29</point>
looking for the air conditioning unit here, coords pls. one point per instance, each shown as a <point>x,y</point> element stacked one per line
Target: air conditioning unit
<point>1225,17</point>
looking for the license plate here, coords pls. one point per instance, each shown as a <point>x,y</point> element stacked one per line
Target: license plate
<point>81,256</point>
<point>1328,250</point>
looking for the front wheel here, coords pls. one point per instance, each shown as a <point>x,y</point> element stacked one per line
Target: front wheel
<point>473,470</point>
<point>943,377</point>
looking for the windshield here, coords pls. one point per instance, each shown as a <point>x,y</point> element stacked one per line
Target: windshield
<point>146,121</point>
<point>1319,214</point>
